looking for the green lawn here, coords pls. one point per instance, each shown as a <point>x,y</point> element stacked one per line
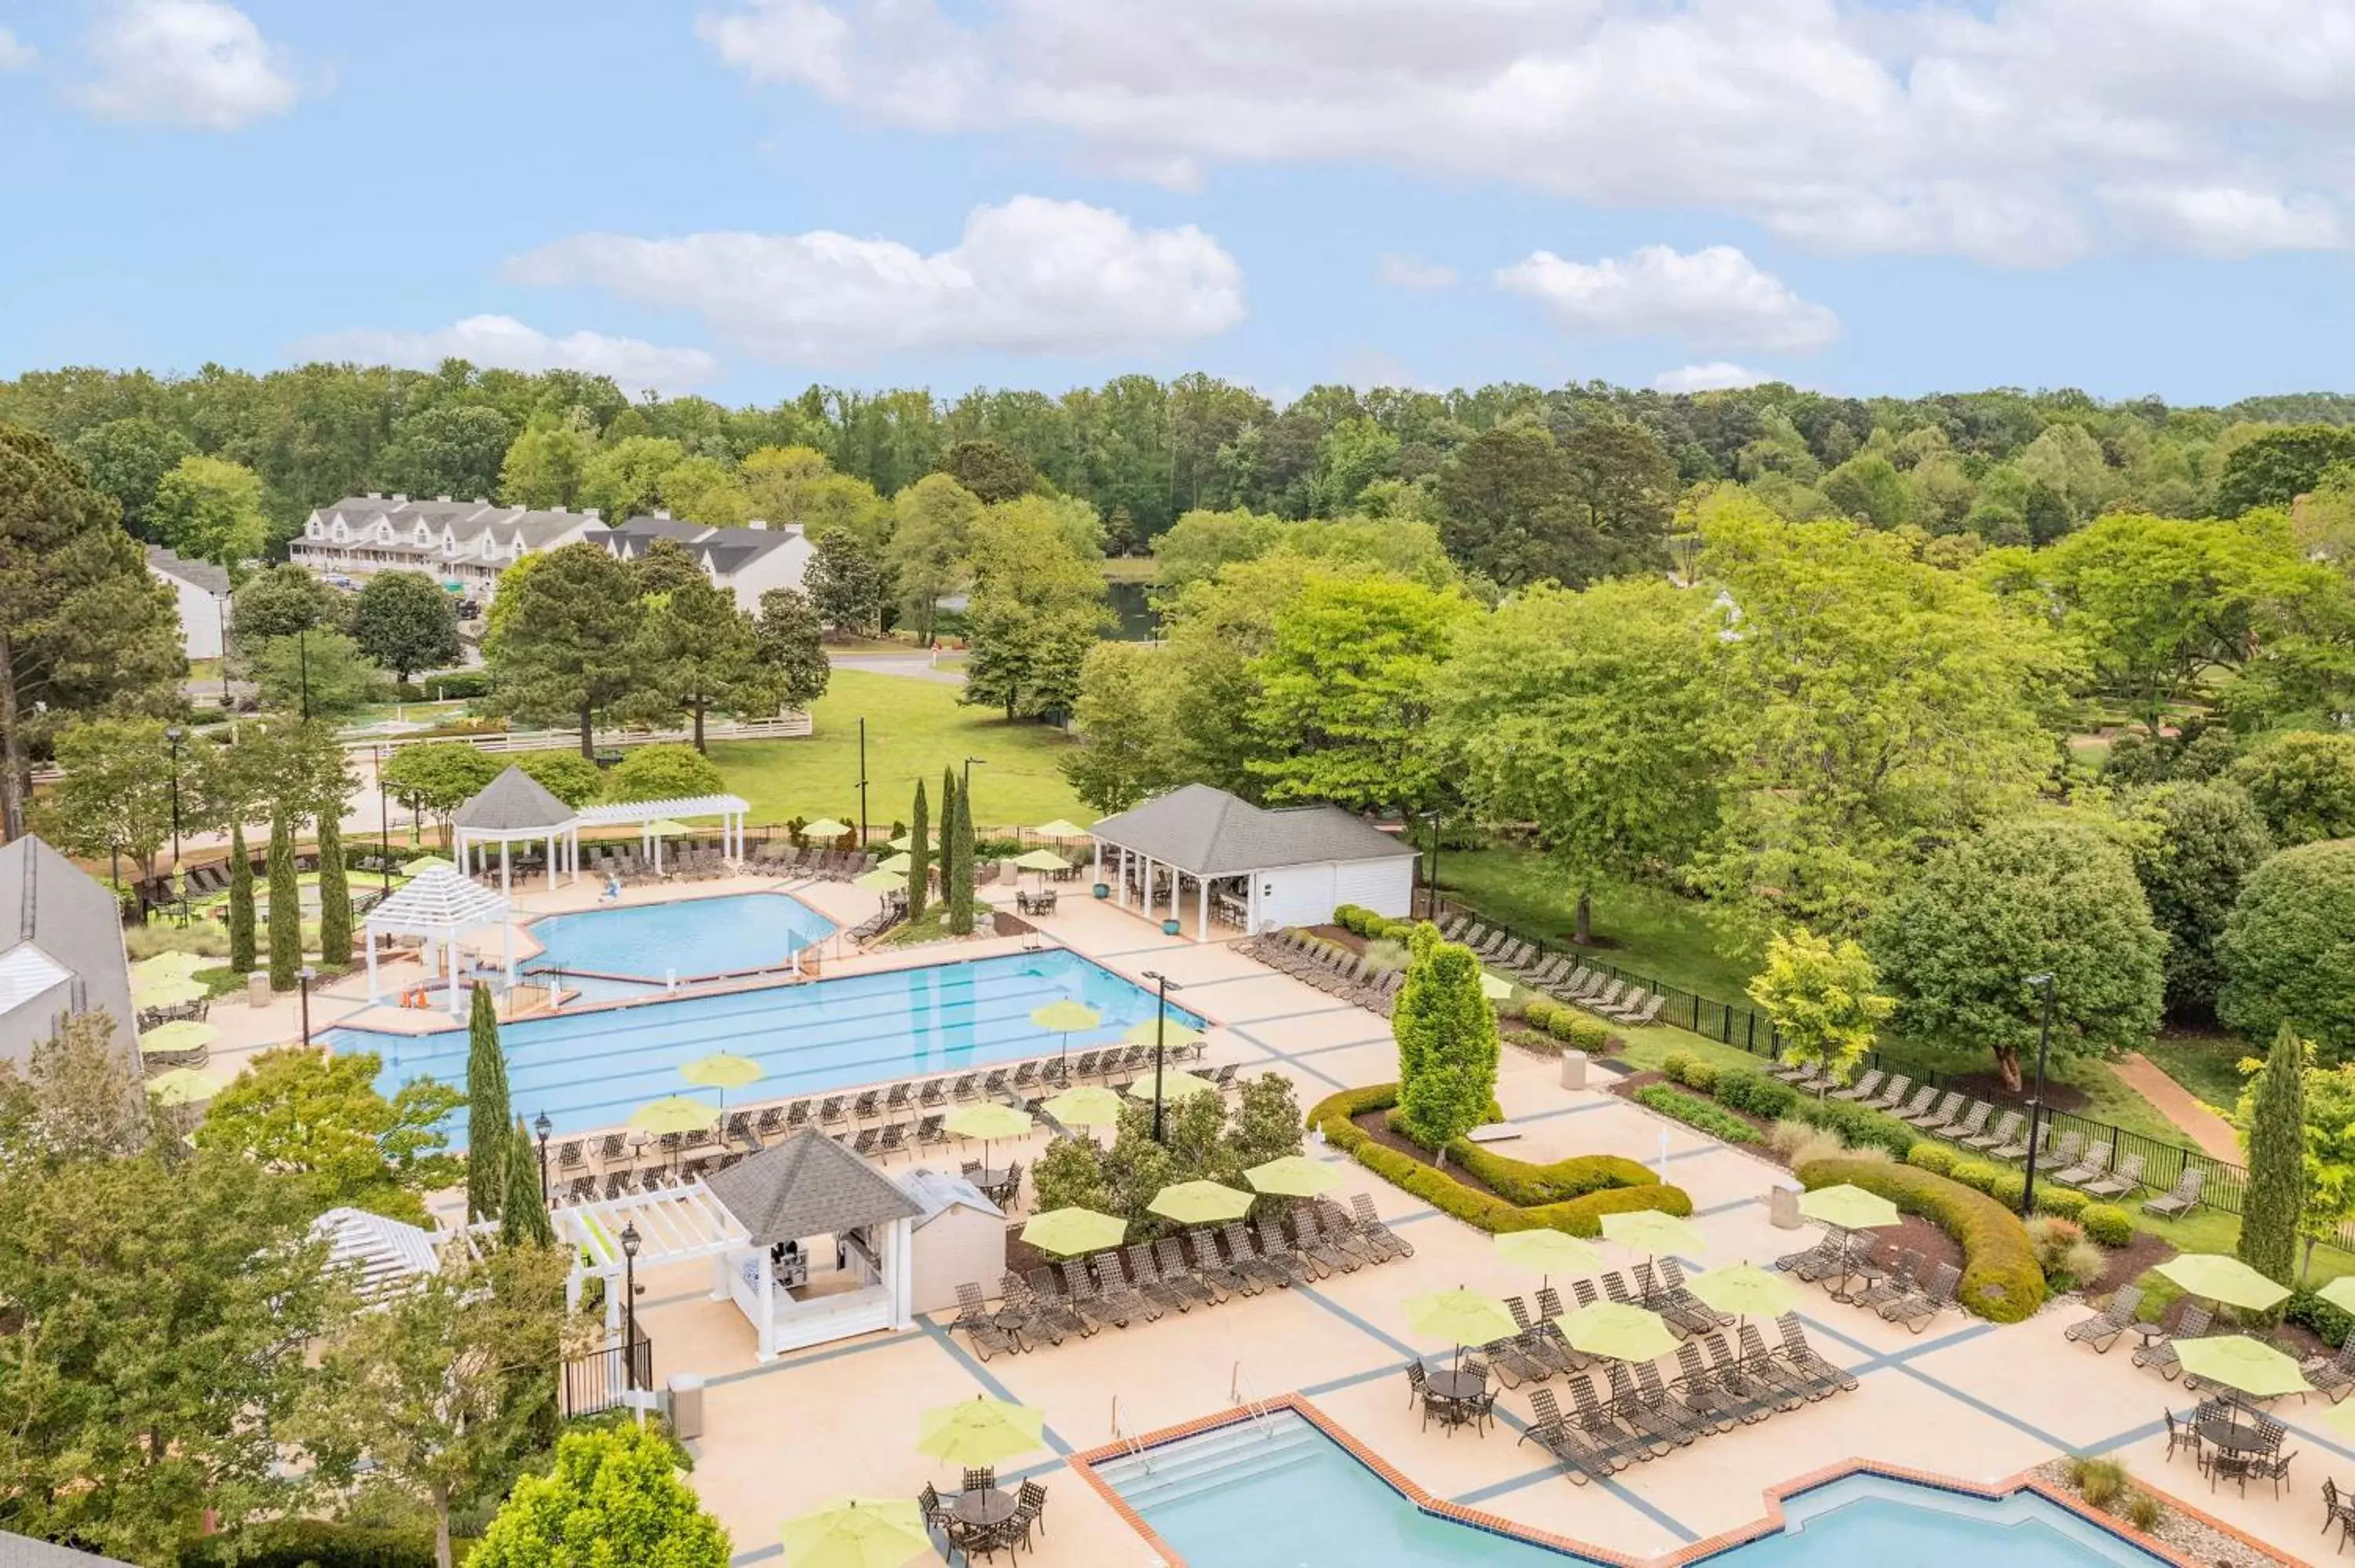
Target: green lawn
<point>914,729</point>
<point>2207,1063</point>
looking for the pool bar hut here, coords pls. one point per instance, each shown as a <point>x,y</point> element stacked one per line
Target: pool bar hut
<point>809,1188</point>
<point>439,906</point>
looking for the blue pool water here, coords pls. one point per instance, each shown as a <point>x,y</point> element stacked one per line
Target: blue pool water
<point>1285,1496</point>
<point>589,1070</point>
<point>689,935</point>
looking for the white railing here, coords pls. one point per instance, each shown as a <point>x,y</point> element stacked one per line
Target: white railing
<point>1131,1444</point>
<point>1256,1411</point>
<point>787,727</point>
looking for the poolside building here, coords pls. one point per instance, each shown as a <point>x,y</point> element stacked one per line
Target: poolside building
<point>960,1235</point>
<point>806,1189</point>
<point>60,949</point>
<point>1202,857</point>
<point>24,1552</point>
<point>200,596</point>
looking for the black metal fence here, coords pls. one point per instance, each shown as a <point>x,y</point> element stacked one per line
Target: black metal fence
<point>597,1381</point>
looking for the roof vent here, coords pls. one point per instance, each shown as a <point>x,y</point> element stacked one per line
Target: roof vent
<point>662,512</point>
<point>443,499</point>
<point>399,498</point>
<point>592,512</point>
<point>761,522</point>
<point>376,495</point>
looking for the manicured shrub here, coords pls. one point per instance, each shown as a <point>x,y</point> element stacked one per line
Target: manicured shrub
<point>2009,1189</point>
<point>1977,1174</point>
<point>1935,1158</point>
<point>1540,1010</point>
<point>2100,1481</point>
<point>2143,1511</point>
<point>1756,1093</point>
<point>1588,1034</point>
<point>2107,1223</point>
<point>2001,1281</point>
<point>1859,1127</point>
<point>2329,1323</point>
<point>316,1543</point>
<point>1675,1067</point>
<point>1708,1118</point>
<point>2066,1203</point>
<point>1530,1185</point>
<point>2284,949</point>
<point>1701,1078</point>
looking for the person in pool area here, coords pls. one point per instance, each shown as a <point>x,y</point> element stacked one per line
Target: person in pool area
<point>613,894</point>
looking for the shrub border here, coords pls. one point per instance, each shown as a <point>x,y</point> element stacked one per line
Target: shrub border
<point>2001,1281</point>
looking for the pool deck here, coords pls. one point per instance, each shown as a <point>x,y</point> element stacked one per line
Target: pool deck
<point>1966,1400</point>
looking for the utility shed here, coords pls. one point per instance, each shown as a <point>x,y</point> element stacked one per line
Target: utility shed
<point>960,1239</point>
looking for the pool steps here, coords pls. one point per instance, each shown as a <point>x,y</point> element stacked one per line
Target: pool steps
<point>1197,1464</point>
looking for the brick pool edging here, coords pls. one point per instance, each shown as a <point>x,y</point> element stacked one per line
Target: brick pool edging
<point>1769,1523</point>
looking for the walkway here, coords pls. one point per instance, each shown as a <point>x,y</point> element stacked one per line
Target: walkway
<point>2189,1113</point>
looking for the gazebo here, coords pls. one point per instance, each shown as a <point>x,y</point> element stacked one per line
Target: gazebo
<point>381,1257</point>
<point>732,811</point>
<point>673,1224</point>
<point>803,1187</point>
<point>515,806</point>
<point>441,907</point>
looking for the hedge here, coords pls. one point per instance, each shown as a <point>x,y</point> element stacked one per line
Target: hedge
<point>1580,1216</point>
<point>2107,1224</point>
<point>1695,1112</point>
<point>2001,1281</point>
<point>317,1543</point>
<point>2329,1324</point>
<point>1359,920</point>
<point>1567,1024</point>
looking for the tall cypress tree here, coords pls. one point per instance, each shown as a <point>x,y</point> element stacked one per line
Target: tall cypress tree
<point>487,1129</point>
<point>335,894</point>
<point>285,903</point>
<point>920,859</point>
<point>1446,1034</point>
<point>960,890</point>
<point>948,839</point>
<point>525,1217</point>
<point>2276,1143</point>
<point>240,904</point>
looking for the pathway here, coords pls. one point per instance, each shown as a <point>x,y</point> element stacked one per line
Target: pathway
<point>2188,1111</point>
<point>913,666</point>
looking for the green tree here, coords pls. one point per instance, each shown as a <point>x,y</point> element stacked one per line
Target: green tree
<point>285,903</point>
<point>948,836</point>
<point>624,479</point>
<point>523,1212</point>
<point>242,952</point>
<point>845,581</point>
<point>116,795</point>
<point>700,651</point>
<point>2304,785</point>
<point>932,522</point>
<point>2279,466</point>
<point>567,775</point>
<point>1595,715</point>
<point>2272,1131</point>
<point>84,625</point>
<point>987,470</point>
<point>335,894</point>
<point>1447,1042</point>
<point>319,674</point>
<point>281,600</point>
<point>1037,606</point>
<point>797,485</point>
<point>793,645</point>
<point>564,640</point>
<point>487,1110</point>
<point>705,489</point>
<point>434,778</point>
<point>207,509</point>
<point>919,858</point>
<point>2198,844</point>
<point>612,1498</point>
<point>405,622</point>
<point>1869,488</point>
<point>1121,721</point>
<point>959,889</point>
<point>1267,1122</point>
<point>1621,491</point>
<point>1505,509</point>
<point>314,1115</point>
<point>448,450</point>
<point>1193,548</point>
<point>2288,949</point>
<point>545,466</point>
<point>1822,997</point>
<point>127,459</point>
<point>662,771</point>
<point>2028,895</point>
<point>2329,1107</point>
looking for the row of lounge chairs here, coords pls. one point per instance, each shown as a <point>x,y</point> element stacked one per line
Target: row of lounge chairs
<point>1539,1351</point>
<point>2331,1375</point>
<point>1328,968</point>
<point>1148,1280</point>
<point>1717,1385</point>
<point>777,857</point>
<point>1905,1286</point>
<point>1558,975</point>
<point>682,863</point>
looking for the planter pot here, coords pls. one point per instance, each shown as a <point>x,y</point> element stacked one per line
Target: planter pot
<point>1103,890</point>
<point>1170,928</point>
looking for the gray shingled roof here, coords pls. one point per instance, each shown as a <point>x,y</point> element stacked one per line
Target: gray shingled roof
<point>53,904</point>
<point>511,802</point>
<point>1208,832</point>
<point>202,573</point>
<point>808,1185</point>
<point>24,1552</point>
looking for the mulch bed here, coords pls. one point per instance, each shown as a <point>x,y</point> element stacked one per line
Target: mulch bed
<point>2127,1264</point>
<point>1339,936</point>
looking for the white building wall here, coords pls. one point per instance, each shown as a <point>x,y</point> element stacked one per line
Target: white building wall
<point>1296,895</point>
<point>23,1027</point>
<point>781,567</point>
<point>1384,886</point>
<point>959,1245</point>
<point>200,617</point>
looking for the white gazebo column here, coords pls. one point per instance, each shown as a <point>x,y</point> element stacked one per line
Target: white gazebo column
<point>505,886</point>
<point>371,964</point>
<point>1202,926</point>
<point>768,1351</point>
<point>552,840</point>
<point>1152,895</point>
<point>1096,871</point>
<point>450,948</point>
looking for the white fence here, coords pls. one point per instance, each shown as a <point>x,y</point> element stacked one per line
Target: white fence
<point>787,727</point>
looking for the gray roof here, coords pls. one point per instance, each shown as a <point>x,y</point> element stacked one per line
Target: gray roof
<point>24,1552</point>
<point>937,1192</point>
<point>512,802</point>
<point>51,905</point>
<point>808,1185</point>
<point>1208,832</point>
<point>202,573</point>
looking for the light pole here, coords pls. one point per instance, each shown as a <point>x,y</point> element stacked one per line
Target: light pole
<point>630,1305</point>
<point>862,783</point>
<point>302,654</point>
<point>220,619</point>
<point>543,1127</point>
<point>968,785</point>
<point>1162,986</point>
<point>303,978</point>
<point>2036,1101</point>
<point>175,734</point>
<point>383,825</point>
<point>1431,870</point>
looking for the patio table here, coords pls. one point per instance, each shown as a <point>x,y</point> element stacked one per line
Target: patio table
<point>2232,1437</point>
<point>1456,1385</point>
<point>1871,1274</point>
<point>984,1510</point>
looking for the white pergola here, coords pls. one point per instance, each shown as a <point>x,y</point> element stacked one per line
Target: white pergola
<point>382,1257</point>
<point>677,1225</point>
<point>732,811</point>
<point>441,907</point>
<point>515,808</point>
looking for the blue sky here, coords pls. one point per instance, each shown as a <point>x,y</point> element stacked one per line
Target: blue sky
<point>742,198</point>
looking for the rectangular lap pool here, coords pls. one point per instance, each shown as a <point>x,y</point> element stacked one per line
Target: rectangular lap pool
<point>589,1070</point>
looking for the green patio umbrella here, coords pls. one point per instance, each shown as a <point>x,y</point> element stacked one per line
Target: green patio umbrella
<point>182,1086</point>
<point>1067,1233</point>
<point>1065,1017</point>
<point>1199,1203</point>
<point>1172,1034</point>
<point>2216,1277</point>
<point>1619,1329</point>
<point>1745,1290</point>
<point>1648,1230</point>
<point>167,990</point>
<point>2243,1364</point>
<point>673,1113</point>
<point>1494,989</point>
<point>1294,1176</point>
<point>988,1122</point>
<point>171,965</point>
<point>2339,1420</point>
<point>1460,1315</point>
<point>1087,1105</point>
<point>980,1431</point>
<point>1850,1208</point>
<point>858,1533</point>
<point>1060,828</point>
<point>826,828</point>
<point>723,1071</point>
<point>1546,1253</point>
<point>2340,1293</point>
<point>899,863</point>
<point>879,880</point>
<point>668,828</point>
<point>1174,1085</point>
<point>180,1035</point>
<point>1040,860</point>
<point>903,843</point>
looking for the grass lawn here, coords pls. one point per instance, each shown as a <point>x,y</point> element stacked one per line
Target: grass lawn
<point>2206,1062</point>
<point>1130,568</point>
<point>914,729</point>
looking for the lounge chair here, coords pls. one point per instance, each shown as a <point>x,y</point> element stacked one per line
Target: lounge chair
<point>1897,1284</point>
<point>2182,1198</point>
<point>1704,1391</point>
<point>1050,1303</point>
<point>1930,1121</point>
<point>1380,1236</point>
<point>2093,1165</point>
<point>2332,1376</point>
<point>1654,1005</point>
<point>1015,1299</point>
<point>1659,1426</point>
<point>1864,1088</point>
<point>2007,1126</point>
<point>1602,1000</point>
<point>987,1335</point>
<point>2102,1329</point>
<point>2124,1178</point>
<point>1894,1095</point>
<point>1924,1098</point>
<point>1327,1255</point>
<point>1579,1459</point>
<point>1210,1268</point>
<point>1936,1295</point>
<point>2062,1155</point>
<point>1146,1276</point>
<point>1802,1359</point>
<point>1176,1272</point>
<point>1630,1006</point>
<point>1972,1123</point>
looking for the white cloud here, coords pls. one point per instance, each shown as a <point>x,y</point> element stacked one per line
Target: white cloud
<point>1715,297</point>
<point>1033,276</point>
<point>1945,126</point>
<point>2224,220</point>
<point>503,343</point>
<point>1717,376</point>
<point>196,63</point>
<point>15,53</point>
<point>1407,272</point>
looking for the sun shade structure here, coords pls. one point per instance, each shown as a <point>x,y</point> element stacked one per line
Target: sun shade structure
<point>1040,860</point>
<point>167,990</point>
<point>1290,865</point>
<point>1085,1106</point>
<point>1745,1290</point>
<point>1199,1203</point>
<point>989,1121</point>
<point>673,1113</point>
<point>1460,1315</point>
<point>1067,1233</point>
<point>858,1533</point>
<point>722,1070</point>
<point>809,1186</point>
<point>2242,1363</point>
<point>1617,1329</point>
<point>1850,1208</point>
<point>2228,1281</point>
<point>879,880</point>
<point>826,828</point>
<point>898,863</point>
<point>1648,1230</point>
<point>1153,1032</point>
<point>1297,1176</point>
<point>981,1431</point>
<point>166,966</point>
<point>376,1256</point>
<point>2340,1293</point>
<point>1547,1252</point>
<point>1066,1016</point>
<point>513,808</point>
<point>899,845</point>
<point>1174,1085</point>
<point>184,1087</point>
<point>642,815</point>
<point>177,1038</point>
<point>441,908</point>
<point>1061,829</point>
<point>1494,989</point>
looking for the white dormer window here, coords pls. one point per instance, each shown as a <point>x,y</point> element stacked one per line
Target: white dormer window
<point>424,536</point>
<point>339,533</point>
<point>514,549</point>
<point>449,543</point>
<point>489,548</point>
<point>312,530</point>
<point>384,532</point>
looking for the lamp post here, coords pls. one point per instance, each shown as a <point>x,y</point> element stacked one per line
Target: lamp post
<point>862,783</point>
<point>968,785</point>
<point>303,979</point>
<point>220,619</point>
<point>2036,1101</point>
<point>1431,869</point>
<point>1162,986</point>
<point>383,824</point>
<point>630,1306</point>
<point>543,1127</point>
<point>175,734</point>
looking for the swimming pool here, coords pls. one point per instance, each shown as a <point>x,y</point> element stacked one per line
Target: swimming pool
<point>1279,1493</point>
<point>686,936</point>
<point>592,1069</point>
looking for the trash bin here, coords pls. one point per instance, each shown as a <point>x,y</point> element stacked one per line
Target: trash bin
<point>687,1405</point>
<point>1783,1207</point>
<point>257,989</point>
<point>1573,1068</point>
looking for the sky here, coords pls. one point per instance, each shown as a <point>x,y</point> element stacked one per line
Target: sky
<point>2129,196</point>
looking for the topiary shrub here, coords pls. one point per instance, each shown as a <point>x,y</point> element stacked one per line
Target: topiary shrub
<point>1709,1118</point>
<point>1857,1126</point>
<point>2001,1281</point>
<point>1937,1158</point>
<point>1978,1174</point>
<point>1675,1066</point>
<point>2010,1188</point>
<point>2065,1203</point>
<point>1529,1185</point>
<point>1756,1094</point>
<point>1588,1034</point>
<point>2107,1223</point>
<point>1701,1078</point>
<point>1541,1011</point>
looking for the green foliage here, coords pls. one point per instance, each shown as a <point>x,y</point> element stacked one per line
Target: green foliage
<point>405,622</point>
<point>1699,1113</point>
<point>845,581</point>
<point>285,905</point>
<point>335,894</point>
<point>1755,1093</point>
<point>2304,785</point>
<point>322,675</point>
<point>242,951</point>
<point>317,1543</point>
<point>127,459</point>
<point>434,778</point>
<point>920,857</point>
<point>697,650</point>
<point>1533,1186</point>
<point>2065,1203</point>
<point>317,1116</point>
<point>2107,1223</point>
<point>1935,1158</point>
<point>523,1212</point>
<point>988,471</point>
<point>1857,1126</point>
<point>790,641</point>
<point>116,795</point>
<point>281,600</point>
<point>612,1498</point>
<point>487,1110</point>
<point>2276,468</point>
<point>2331,1324</point>
<point>567,775</point>
<point>2201,842</point>
<point>2001,1281</point>
<point>1823,999</point>
<point>207,509</point>
<point>1123,739</point>
<point>2100,1481</point>
<point>2289,950</point>
<point>562,636</point>
<point>1447,1042</point>
<point>1037,605</point>
<point>662,771</point>
<point>447,448</point>
<point>958,887</point>
<point>544,466</point>
<point>2272,1131</point>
